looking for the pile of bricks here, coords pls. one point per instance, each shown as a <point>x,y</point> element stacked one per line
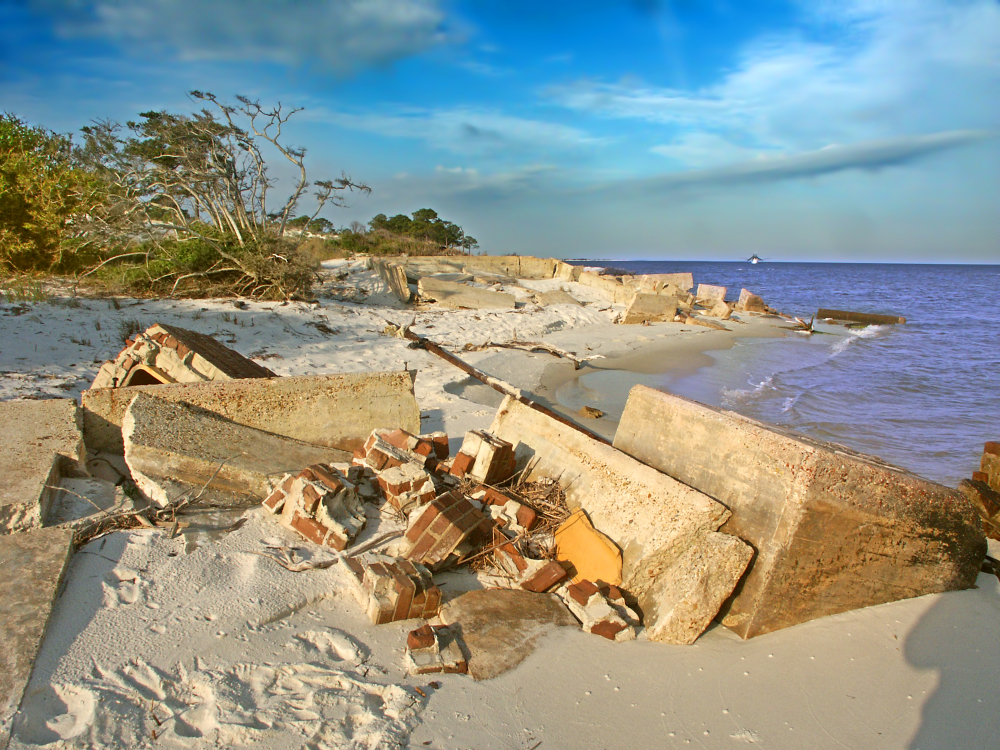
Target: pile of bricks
<point>439,528</point>
<point>434,648</point>
<point>505,511</point>
<point>484,457</point>
<point>319,503</point>
<point>529,574</point>
<point>394,589</point>
<point>168,354</point>
<point>600,610</point>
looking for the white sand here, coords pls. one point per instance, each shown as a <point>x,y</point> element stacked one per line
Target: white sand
<point>202,643</point>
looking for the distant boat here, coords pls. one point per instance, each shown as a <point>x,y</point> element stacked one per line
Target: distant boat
<point>755,259</point>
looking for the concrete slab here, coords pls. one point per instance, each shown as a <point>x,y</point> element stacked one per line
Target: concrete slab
<point>180,443</point>
<point>453,294</point>
<point>650,308</point>
<point>642,510</point>
<point>42,442</point>
<point>615,290</point>
<point>833,530</point>
<point>33,563</point>
<point>394,277</point>
<point>501,627</point>
<point>556,297</point>
<point>335,411</point>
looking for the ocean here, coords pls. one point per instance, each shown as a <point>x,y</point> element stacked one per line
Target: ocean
<point>924,395</point>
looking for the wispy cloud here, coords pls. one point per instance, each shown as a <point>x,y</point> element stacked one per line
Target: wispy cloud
<point>870,155</point>
<point>467,130</point>
<point>339,35</point>
<point>883,68</point>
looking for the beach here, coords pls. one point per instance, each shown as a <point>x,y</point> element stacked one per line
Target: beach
<point>237,651</point>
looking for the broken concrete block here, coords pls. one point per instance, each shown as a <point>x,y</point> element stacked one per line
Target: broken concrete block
<point>640,509</point>
<point>567,271</point>
<point>590,554</point>
<point>527,573</point>
<point>33,563</point>
<point>394,277</point>
<point>378,454</point>
<point>436,529</point>
<point>452,294</point>
<point>650,308</point>
<point>393,589</point>
<point>750,302</point>
<point>682,281</point>
<point>874,319</point>
<point>614,289</point>
<point>556,297</point>
<point>336,411</point>
<point>719,309</point>
<point>500,627</point>
<point>167,442</point>
<point>986,501</point>
<point>494,458</point>
<point>708,294</point>
<point>434,649</point>
<point>834,530</point>
<point>601,610</point>
<point>42,442</point>
<point>168,354</point>
<point>321,505</point>
<point>688,592</point>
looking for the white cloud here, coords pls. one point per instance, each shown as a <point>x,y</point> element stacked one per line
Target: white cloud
<point>340,35</point>
<point>467,130</point>
<point>869,155</point>
<point>885,68</point>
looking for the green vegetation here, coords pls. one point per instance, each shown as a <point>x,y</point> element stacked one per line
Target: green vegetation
<point>184,204</point>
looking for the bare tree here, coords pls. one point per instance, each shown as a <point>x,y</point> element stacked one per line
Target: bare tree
<point>204,178</point>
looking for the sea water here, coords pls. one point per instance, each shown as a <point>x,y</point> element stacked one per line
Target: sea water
<point>924,395</point>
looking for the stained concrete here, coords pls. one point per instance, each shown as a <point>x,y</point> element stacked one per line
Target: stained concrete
<point>33,563</point>
<point>335,411</point>
<point>181,443</point>
<point>643,511</point>
<point>453,294</point>
<point>394,277</point>
<point>501,627</point>
<point>834,530</point>
<point>42,442</point>
<point>650,308</point>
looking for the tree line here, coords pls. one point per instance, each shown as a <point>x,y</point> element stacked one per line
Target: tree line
<point>173,203</point>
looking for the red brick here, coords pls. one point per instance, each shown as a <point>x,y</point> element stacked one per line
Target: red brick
<point>129,342</point>
<point>423,448</point>
<point>433,602</point>
<point>396,438</point>
<point>448,541</point>
<point>440,444</point>
<point>287,484</point>
<point>980,476</point>
<point>515,556</point>
<point>310,498</point>
<point>336,541</point>
<point>462,463</point>
<point>526,517</point>
<point>582,591</point>
<point>441,524</point>
<point>405,590</point>
<point>496,497</point>
<point>128,364</point>
<point>309,528</point>
<point>992,448</point>
<point>274,501</point>
<point>461,667</point>
<point>326,478</point>
<point>612,592</point>
<point>422,637</point>
<point>182,351</point>
<point>355,567</point>
<point>551,574</point>
<point>422,547</point>
<point>170,342</point>
<point>420,525</point>
<point>607,629</point>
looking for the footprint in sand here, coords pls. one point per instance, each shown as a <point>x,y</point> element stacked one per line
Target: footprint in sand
<point>335,644</point>
<point>58,712</point>
<point>121,586</point>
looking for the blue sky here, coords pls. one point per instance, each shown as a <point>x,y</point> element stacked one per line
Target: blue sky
<point>814,130</point>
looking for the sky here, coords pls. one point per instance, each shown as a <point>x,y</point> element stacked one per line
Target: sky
<point>799,130</point>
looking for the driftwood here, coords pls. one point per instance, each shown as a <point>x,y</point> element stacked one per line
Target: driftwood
<point>528,346</point>
<point>691,319</point>
<point>494,383</point>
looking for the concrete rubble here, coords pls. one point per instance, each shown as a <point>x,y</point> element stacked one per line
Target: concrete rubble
<point>983,490</point>
<point>321,504</point>
<point>435,649</point>
<point>393,589</point>
<point>601,610</point>
<point>455,294</point>
<point>650,308</point>
<point>43,442</point>
<point>172,448</point>
<point>336,411</point>
<point>168,354</point>
<point>800,504</point>
<point>33,563</point>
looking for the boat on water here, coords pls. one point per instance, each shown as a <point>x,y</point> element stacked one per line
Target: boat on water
<point>755,259</point>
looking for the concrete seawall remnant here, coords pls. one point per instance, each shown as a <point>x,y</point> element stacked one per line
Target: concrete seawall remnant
<point>834,530</point>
